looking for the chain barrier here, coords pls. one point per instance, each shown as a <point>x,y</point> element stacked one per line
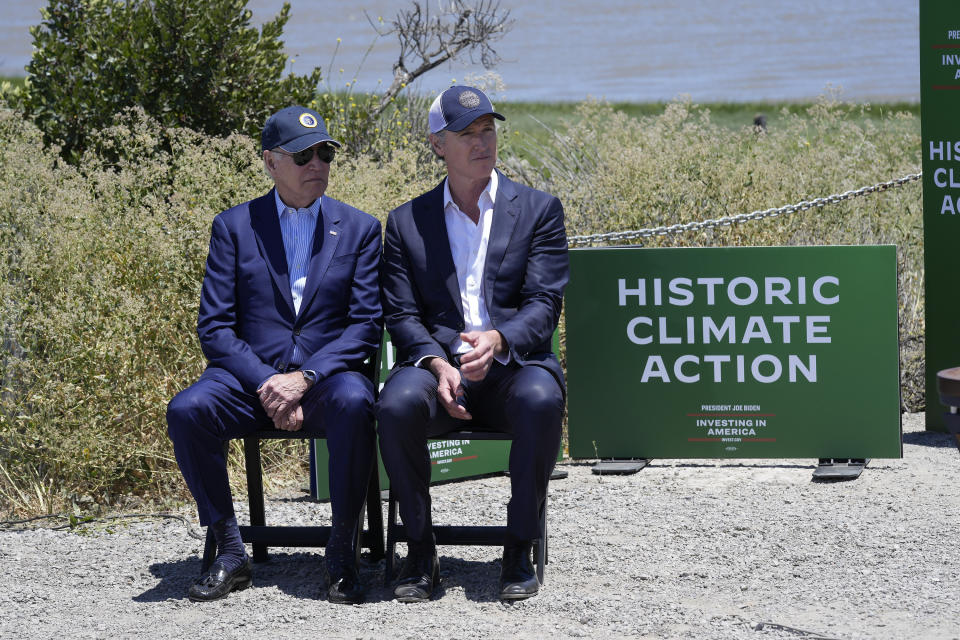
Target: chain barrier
<point>74,522</point>
<point>699,225</point>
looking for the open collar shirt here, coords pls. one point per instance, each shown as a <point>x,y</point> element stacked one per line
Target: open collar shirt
<point>468,245</point>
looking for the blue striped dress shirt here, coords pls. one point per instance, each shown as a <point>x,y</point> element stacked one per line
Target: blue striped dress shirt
<point>297,227</point>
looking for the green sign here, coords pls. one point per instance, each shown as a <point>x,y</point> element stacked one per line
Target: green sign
<point>940,135</point>
<point>761,352</point>
<point>450,459</point>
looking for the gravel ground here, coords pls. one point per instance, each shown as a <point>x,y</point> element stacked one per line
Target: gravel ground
<point>683,549</point>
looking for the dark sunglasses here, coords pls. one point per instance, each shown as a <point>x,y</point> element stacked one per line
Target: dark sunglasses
<point>326,154</point>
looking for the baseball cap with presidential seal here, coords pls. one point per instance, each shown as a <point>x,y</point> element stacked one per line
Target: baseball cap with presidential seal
<point>294,129</point>
<point>457,107</point>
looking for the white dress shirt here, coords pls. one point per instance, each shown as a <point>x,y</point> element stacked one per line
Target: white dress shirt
<point>468,245</point>
<point>297,227</point>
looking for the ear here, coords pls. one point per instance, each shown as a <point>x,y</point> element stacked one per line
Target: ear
<point>269,162</point>
<point>436,145</point>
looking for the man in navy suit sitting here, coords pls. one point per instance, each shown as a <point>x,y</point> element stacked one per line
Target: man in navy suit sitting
<point>289,310</point>
<point>473,277</point>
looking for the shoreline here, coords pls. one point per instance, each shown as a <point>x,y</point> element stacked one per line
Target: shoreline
<point>649,106</point>
<point>529,116</point>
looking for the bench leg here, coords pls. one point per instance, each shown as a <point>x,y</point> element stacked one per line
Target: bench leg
<point>374,533</point>
<point>358,536</point>
<point>391,550</point>
<point>209,551</point>
<point>540,545</point>
<point>251,456</point>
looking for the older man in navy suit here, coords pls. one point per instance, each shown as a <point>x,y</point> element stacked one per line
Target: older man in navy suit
<point>289,310</point>
<point>473,277</point>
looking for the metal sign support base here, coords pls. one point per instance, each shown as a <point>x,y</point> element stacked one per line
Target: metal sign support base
<point>840,468</point>
<point>619,467</point>
<point>556,474</point>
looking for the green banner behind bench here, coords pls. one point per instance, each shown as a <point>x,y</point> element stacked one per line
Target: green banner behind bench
<point>760,352</point>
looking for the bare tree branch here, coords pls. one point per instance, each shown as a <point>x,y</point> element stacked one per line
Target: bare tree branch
<point>427,41</point>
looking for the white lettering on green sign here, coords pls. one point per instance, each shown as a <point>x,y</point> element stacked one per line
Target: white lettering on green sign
<point>640,330</point>
<point>739,291</point>
<point>943,177</point>
<point>441,450</point>
<point>765,368</point>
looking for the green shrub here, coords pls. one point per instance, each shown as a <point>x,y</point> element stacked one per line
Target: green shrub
<point>190,63</point>
<point>401,126</point>
<point>101,262</point>
<point>99,285</point>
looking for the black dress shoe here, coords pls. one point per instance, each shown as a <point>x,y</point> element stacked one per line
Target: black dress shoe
<point>345,587</point>
<point>218,582</point>
<point>517,579</point>
<point>420,574</point>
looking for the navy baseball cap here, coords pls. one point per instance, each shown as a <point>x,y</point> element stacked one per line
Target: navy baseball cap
<point>457,107</point>
<point>294,129</point>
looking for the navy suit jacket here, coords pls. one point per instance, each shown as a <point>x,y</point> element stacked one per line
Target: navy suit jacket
<point>247,324</point>
<point>524,276</point>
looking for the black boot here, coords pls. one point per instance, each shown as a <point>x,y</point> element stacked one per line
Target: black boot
<point>517,578</point>
<point>345,586</point>
<point>420,574</point>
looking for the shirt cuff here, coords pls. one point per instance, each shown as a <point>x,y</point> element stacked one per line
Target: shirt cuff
<point>422,362</point>
<point>264,381</point>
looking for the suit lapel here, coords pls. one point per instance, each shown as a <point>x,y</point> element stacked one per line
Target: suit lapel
<point>431,221</point>
<point>326,237</point>
<point>266,227</point>
<point>505,213</point>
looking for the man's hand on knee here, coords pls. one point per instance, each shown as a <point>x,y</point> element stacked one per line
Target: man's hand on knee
<point>449,388</point>
<point>281,393</point>
<point>475,364</point>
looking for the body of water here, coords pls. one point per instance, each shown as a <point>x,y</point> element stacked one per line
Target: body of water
<point>561,50</point>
